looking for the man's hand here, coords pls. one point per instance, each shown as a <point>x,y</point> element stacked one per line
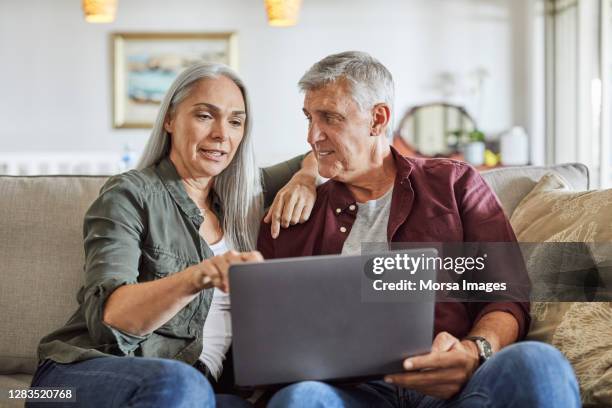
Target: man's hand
<point>444,371</point>
<point>293,203</point>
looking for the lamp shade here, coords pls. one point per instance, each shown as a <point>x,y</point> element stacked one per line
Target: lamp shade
<point>283,13</point>
<point>100,11</point>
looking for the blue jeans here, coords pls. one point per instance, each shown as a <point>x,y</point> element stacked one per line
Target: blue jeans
<point>526,374</point>
<point>131,381</point>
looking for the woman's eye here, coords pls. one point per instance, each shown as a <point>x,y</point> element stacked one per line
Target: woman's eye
<point>236,122</point>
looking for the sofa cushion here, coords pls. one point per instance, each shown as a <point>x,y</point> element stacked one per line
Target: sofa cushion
<point>511,184</point>
<point>41,247</point>
<point>551,212</point>
<point>14,381</point>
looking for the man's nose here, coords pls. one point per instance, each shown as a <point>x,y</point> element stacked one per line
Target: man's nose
<point>314,134</point>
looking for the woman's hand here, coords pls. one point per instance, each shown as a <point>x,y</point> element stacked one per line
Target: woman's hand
<point>213,272</point>
<point>293,203</point>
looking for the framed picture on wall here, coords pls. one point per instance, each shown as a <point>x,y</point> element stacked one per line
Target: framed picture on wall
<point>145,64</point>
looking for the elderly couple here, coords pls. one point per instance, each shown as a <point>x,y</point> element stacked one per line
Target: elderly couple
<point>153,323</point>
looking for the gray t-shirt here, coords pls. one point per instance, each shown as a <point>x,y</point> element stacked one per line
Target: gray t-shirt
<point>370,224</point>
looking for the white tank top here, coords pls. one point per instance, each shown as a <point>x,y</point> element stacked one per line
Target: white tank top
<point>217,335</point>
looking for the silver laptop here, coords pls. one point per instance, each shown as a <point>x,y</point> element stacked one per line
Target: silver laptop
<point>308,319</point>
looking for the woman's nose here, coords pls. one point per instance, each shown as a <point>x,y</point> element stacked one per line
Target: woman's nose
<point>220,131</point>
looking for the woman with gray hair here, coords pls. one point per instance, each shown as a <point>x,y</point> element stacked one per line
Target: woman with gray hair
<point>158,244</point>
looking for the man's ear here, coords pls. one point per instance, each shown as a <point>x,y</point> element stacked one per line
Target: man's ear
<point>381,115</point>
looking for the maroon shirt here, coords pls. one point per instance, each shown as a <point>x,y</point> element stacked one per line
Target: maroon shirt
<point>434,200</point>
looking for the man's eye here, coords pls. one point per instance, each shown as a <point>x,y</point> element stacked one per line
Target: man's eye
<point>331,119</point>
<point>203,116</point>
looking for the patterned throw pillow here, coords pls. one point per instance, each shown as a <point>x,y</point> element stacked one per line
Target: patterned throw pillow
<point>551,212</point>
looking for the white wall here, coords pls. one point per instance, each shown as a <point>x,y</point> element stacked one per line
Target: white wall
<point>55,73</point>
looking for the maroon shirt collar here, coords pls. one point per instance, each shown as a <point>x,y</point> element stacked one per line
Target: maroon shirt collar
<point>401,201</point>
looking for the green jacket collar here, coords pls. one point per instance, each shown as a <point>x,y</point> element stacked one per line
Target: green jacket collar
<point>169,176</point>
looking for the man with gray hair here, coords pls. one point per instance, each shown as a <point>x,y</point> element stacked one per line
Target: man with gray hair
<point>376,195</point>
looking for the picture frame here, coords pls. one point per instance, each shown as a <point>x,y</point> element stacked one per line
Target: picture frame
<point>145,64</point>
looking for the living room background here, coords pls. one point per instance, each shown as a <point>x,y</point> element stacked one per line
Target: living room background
<point>487,56</point>
<point>57,72</point>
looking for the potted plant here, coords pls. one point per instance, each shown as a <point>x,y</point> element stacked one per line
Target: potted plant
<point>474,149</point>
<point>470,143</point>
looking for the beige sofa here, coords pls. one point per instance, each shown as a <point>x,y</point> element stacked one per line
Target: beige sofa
<point>41,252</point>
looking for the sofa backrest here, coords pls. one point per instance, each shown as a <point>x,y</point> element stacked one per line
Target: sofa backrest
<point>41,249</point>
<point>511,184</point>
<point>41,253</point>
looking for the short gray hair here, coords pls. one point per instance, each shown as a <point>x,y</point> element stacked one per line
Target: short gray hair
<point>370,81</point>
<point>238,185</point>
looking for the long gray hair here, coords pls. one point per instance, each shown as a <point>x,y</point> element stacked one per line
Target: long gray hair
<point>238,185</point>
